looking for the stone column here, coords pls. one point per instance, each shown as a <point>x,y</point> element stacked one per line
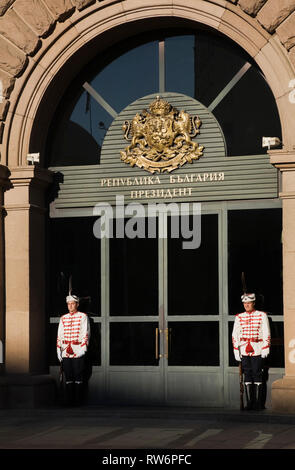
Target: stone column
<point>25,382</point>
<point>283,390</point>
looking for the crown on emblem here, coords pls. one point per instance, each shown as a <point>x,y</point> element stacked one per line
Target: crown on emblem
<point>160,107</point>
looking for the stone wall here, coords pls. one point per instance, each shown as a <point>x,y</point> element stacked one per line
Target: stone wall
<point>25,23</point>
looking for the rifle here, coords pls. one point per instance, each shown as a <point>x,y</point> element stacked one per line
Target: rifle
<point>241,387</point>
<point>61,374</point>
<point>240,363</point>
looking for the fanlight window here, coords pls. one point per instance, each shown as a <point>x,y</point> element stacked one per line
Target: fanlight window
<point>203,65</point>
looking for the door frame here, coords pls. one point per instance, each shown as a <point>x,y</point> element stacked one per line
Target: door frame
<point>101,374</point>
<point>163,371</point>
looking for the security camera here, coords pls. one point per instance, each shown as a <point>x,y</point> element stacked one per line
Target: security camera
<point>33,158</point>
<point>270,142</point>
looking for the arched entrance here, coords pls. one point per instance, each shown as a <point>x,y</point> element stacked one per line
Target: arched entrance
<point>162,316</point>
<point>22,136</point>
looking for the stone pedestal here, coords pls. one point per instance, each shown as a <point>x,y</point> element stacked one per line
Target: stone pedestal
<point>283,390</point>
<point>25,382</point>
<point>23,391</point>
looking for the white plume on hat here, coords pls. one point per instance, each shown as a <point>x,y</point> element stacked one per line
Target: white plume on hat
<point>248,298</point>
<point>72,298</point>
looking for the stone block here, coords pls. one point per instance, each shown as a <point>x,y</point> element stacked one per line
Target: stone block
<point>283,395</point>
<point>251,7</point>
<point>16,31</point>
<point>12,60</point>
<point>274,12</point>
<point>6,84</point>
<point>286,32</point>
<point>60,9</point>
<point>80,4</point>
<point>36,15</point>
<point>4,5</point>
<point>4,105</point>
<point>27,391</point>
<point>243,29</point>
<point>292,56</point>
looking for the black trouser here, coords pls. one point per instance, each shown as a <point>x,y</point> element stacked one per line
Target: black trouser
<point>74,369</point>
<point>252,368</point>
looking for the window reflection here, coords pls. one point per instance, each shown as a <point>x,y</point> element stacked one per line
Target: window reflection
<point>133,344</point>
<point>73,252</point>
<point>134,275</point>
<point>193,274</point>
<point>193,344</point>
<point>194,65</point>
<point>129,77</point>
<point>254,247</point>
<point>180,64</point>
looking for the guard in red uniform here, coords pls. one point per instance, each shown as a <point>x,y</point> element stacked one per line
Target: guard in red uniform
<point>72,343</point>
<point>251,343</point>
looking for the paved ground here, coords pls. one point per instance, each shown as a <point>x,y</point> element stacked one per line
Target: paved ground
<point>109,433</point>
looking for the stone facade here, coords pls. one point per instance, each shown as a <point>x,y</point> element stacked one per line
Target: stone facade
<point>37,39</point>
<point>23,24</point>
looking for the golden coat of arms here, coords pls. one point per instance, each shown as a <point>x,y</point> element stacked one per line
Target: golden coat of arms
<point>161,138</point>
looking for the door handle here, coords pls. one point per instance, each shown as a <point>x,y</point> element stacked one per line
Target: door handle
<point>167,342</point>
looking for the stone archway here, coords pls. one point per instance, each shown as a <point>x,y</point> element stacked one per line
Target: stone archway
<point>36,53</point>
<point>36,49</point>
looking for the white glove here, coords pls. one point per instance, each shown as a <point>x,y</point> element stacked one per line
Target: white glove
<point>59,355</point>
<point>237,355</point>
<point>264,354</point>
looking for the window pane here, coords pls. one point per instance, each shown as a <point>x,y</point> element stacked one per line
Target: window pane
<point>248,111</point>
<point>243,132</point>
<point>180,64</point>
<point>193,273</point>
<point>130,76</point>
<point>194,66</point>
<point>254,247</point>
<point>73,251</point>
<point>53,360</point>
<point>133,344</point>
<point>80,123</point>
<point>193,344</point>
<point>134,274</point>
<point>94,349</point>
<point>212,53</point>
<point>277,355</point>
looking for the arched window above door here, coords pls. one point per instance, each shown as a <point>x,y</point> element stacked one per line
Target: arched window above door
<point>197,63</point>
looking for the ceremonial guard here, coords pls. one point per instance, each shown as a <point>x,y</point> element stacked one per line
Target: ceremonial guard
<point>251,343</point>
<point>72,343</point>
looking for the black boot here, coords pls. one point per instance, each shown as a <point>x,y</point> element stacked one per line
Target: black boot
<point>257,396</point>
<point>249,396</point>
<point>79,393</point>
<point>69,394</point>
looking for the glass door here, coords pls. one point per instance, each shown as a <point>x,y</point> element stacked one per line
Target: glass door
<point>163,323</point>
<point>193,373</point>
<point>133,327</point>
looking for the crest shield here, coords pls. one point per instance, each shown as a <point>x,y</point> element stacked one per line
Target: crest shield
<point>161,138</point>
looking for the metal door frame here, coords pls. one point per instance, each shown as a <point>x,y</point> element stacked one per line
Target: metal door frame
<point>220,208</point>
<point>163,369</point>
